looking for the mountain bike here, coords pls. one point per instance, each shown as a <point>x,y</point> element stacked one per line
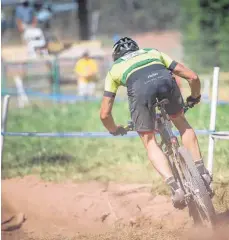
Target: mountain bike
<point>197,196</point>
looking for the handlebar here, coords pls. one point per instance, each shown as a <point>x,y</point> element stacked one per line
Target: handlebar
<point>187,107</point>
<point>130,126</point>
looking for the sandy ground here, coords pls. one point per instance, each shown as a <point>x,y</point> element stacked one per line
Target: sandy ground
<point>94,210</point>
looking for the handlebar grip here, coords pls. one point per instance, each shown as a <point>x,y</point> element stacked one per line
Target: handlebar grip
<point>187,107</point>
<point>130,126</point>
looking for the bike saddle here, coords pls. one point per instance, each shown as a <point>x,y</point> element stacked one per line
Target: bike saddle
<point>161,103</point>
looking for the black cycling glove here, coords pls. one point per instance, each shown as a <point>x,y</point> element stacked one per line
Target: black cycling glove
<point>120,131</point>
<point>191,101</point>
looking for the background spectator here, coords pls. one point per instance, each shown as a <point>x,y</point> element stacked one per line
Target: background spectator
<point>43,14</point>
<point>86,70</point>
<point>3,23</point>
<point>32,36</point>
<point>25,16</point>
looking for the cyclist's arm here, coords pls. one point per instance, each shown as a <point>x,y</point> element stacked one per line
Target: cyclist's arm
<point>191,77</point>
<point>106,115</point>
<point>107,104</point>
<point>184,72</point>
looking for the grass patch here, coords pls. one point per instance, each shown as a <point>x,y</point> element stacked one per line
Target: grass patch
<point>115,159</point>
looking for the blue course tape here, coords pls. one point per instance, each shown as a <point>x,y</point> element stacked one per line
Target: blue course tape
<point>84,134</point>
<point>60,97</point>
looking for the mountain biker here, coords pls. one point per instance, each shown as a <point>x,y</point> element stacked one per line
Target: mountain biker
<point>147,74</point>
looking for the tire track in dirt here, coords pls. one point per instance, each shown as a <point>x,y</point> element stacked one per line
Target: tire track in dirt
<point>92,210</point>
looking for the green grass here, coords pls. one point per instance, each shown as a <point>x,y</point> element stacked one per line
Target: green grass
<point>115,159</point>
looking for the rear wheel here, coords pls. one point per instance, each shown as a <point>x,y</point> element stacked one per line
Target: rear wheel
<point>200,204</point>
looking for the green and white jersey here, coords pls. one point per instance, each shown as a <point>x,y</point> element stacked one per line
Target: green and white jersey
<point>126,65</point>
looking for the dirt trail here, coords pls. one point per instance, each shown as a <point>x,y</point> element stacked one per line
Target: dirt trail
<point>90,210</point>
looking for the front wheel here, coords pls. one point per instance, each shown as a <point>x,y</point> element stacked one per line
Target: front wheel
<point>200,204</point>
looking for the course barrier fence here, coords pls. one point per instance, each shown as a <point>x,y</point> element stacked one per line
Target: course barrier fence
<point>224,134</point>
<point>76,98</point>
<point>50,75</point>
<point>213,134</point>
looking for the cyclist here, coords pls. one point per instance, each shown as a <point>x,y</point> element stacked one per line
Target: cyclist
<point>147,74</point>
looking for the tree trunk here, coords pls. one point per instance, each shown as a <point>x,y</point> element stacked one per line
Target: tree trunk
<point>84,29</point>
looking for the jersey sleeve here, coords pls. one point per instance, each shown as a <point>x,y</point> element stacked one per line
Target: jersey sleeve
<point>168,62</point>
<point>111,86</point>
<point>77,67</point>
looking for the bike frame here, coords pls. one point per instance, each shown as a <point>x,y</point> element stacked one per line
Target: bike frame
<point>169,142</point>
<point>182,166</point>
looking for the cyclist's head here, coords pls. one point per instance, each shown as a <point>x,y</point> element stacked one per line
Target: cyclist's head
<point>124,46</point>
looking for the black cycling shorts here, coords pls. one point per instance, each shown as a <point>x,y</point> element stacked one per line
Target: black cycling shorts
<point>143,87</point>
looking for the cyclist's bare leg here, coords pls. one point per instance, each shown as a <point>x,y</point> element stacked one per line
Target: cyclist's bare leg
<point>160,163</point>
<point>155,154</point>
<point>188,136</point>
